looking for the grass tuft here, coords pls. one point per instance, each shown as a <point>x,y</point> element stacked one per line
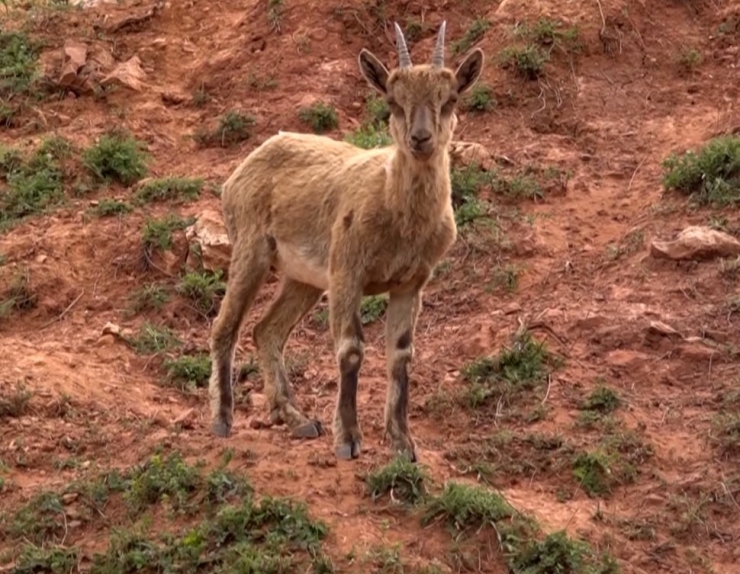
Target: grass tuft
<point>188,372</point>
<point>518,369</point>
<point>320,116</point>
<point>204,289</point>
<point>474,33</point>
<point>117,156</point>
<point>18,64</point>
<point>168,189</point>
<point>401,480</point>
<point>710,176</point>
<point>111,207</point>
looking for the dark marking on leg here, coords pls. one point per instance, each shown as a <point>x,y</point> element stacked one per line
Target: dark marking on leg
<point>221,426</point>
<point>404,341</point>
<point>347,219</point>
<point>349,368</point>
<point>401,379</point>
<point>348,443</point>
<point>357,327</point>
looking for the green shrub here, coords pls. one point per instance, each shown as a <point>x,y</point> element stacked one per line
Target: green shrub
<point>711,176</point>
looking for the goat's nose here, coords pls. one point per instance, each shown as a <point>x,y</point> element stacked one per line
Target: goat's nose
<point>421,137</point>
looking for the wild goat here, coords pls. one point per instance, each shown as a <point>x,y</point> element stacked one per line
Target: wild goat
<point>332,217</point>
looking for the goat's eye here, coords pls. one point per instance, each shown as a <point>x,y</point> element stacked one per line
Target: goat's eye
<point>395,108</point>
<point>449,105</point>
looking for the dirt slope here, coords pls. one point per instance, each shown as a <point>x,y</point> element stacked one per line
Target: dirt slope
<point>607,114</point>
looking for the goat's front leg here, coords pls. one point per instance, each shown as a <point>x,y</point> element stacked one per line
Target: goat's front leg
<point>345,297</point>
<point>403,310</point>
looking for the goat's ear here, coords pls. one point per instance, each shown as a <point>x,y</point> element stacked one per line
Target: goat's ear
<point>373,70</point>
<point>469,71</point>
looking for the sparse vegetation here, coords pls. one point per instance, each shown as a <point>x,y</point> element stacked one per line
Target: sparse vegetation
<point>550,34</point>
<point>152,339</point>
<point>373,132</point>
<point>466,509</point>
<point>110,207</point>
<point>369,136</point>
<point>148,297</point>
<point>188,372</point>
<point>157,233</point>
<point>320,116</point>
<point>170,188</point>
<point>528,61</point>
<point>18,296</point>
<point>466,186</point>
<point>34,559</point>
<point>480,99</point>
<point>402,480</point>
<point>117,156</point>
<point>18,65</point>
<point>274,13</point>
<point>690,59</point>
<point>474,33</point>
<point>372,308</point>
<point>203,289</point>
<point>725,434</point>
<point>15,403</point>
<point>710,176</point>
<point>602,400</point>
<point>234,533</point>
<point>515,370</point>
<point>233,127</point>
<point>34,184</point>
<point>614,462</point>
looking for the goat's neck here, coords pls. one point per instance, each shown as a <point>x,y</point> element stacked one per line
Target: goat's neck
<point>418,190</point>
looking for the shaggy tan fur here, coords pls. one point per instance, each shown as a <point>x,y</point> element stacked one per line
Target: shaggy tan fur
<point>329,216</point>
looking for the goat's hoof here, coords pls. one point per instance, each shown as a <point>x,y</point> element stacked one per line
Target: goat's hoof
<point>406,449</point>
<point>348,450</point>
<point>311,429</point>
<point>409,455</point>
<point>221,428</point>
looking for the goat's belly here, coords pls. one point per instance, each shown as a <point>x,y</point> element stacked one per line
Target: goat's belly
<point>299,267</point>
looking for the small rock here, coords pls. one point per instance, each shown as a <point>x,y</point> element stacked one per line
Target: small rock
<point>662,329</point>
<point>258,424</point>
<point>105,340</point>
<point>318,34</point>
<point>75,57</point>
<point>209,246</point>
<point>128,74</point>
<point>174,98</point>
<point>259,401</point>
<point>74,523</point>
<point>466,153</point>
<point>41,258</point>
<point>111,328</point>
<point>695,351</point>
<point>185,419</point>
<point>653,500</point>
<point>695,243</point>
<point>69,497</point>
<point>512,308</point>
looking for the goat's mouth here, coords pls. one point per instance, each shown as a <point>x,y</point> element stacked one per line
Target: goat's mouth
<point>422,153</point>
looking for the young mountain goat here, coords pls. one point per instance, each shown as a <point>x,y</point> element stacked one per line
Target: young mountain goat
<point>332,217</point>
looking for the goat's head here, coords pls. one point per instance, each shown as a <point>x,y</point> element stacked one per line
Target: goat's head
<point>422,98</point>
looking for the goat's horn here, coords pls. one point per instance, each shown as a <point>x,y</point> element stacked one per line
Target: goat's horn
<point>438,58</point>
<point>404,60</point>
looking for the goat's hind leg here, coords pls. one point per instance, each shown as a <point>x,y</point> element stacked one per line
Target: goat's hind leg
<point>294,300</point>
<point>403,310</point>
<point>248,270</point>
